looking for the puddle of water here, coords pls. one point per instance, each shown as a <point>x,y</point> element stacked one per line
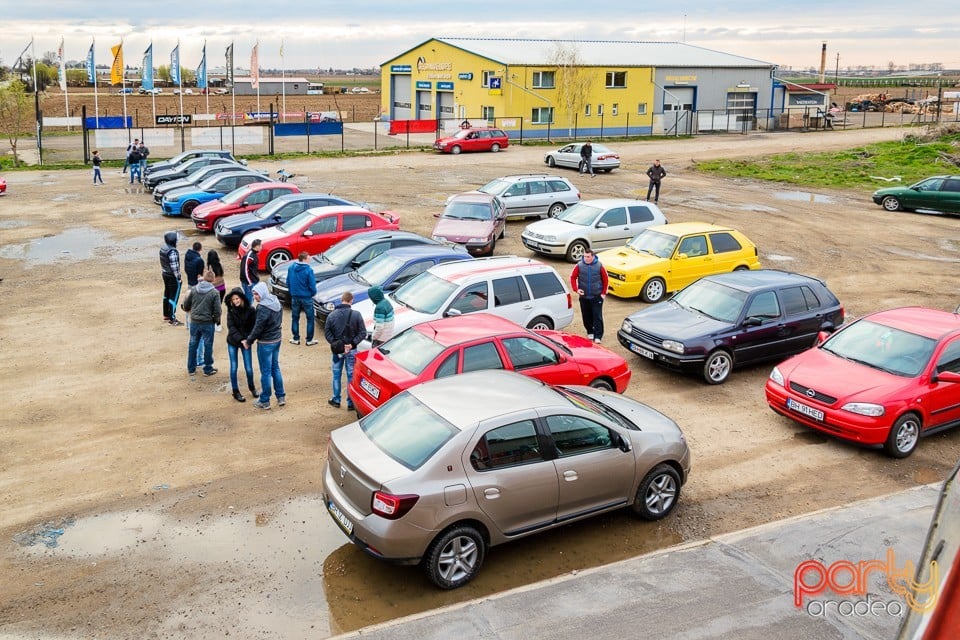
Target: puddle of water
<point>137,213</point>
<point>912,254</point>
<point>64,197</point>
<point>803,196</point>
<point>13,224</point>
<point>80,243</point>
<point>778,258</point>
<point>758,208</point>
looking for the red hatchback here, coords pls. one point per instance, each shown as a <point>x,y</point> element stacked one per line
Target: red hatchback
<point>458,344</point>
<point>886,379</point>
<point>314,231</point>
<point>473,139</point>
<point>243,200</point>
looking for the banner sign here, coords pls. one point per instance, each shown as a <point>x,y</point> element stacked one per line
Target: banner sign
<point>185,118</point>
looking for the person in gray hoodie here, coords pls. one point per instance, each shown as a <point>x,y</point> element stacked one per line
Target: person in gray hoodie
<point>267,332</point>
<point>382,317</point>
<point>203,305</point>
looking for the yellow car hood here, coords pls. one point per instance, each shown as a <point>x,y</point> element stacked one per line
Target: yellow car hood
<point>624,259</point>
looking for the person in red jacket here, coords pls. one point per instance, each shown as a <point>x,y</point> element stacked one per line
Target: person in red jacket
<point>589,280</point>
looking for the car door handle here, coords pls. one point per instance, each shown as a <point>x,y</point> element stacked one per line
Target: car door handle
<point>491,493</point>
<point>570,475</point>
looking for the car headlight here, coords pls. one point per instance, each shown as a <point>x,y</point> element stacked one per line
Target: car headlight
<point>776,376</point>
<point>673,345</point>
<point>478,240</point>
<point>549,238</point>
<point>329,306</point>
<point>627,326</point>
<point>864,408</point>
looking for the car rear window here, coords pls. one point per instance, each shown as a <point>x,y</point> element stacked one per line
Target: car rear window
<point>411,350</point>
<point>407,430</point>
<point>559,185</point>
<point>724,242</point>
<point>640,213</point>
<point>509,291</point>
<point>545,284</point>
<point>798,300</point>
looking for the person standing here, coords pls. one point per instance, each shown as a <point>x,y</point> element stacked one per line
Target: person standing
<point>213,263</point>
<point>134,159</point>
<point>144,152</point>
<point>203,305</point>
<point>656,173</point>
<point>97,161</point>
<point>303,286</point>
<point>344,330</point>
<point>382,317</point>
<point>170,269</point>
<point>586,158</point>
<point>589,280</point>
<point>193,264</point>
<point>249,269</point>
<point>130,147</point>
<point>267,332</point>
<point>241,318</point>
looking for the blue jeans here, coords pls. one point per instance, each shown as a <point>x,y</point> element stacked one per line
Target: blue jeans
<point>233,352</point>
<point>143,167</point>
<point>97,176</point>
<point>349,359</point>
<point>200,346</point>
<point>305,305</point>
<point>200,331</point>
<point>135,172</point>
<point>268,356</point>
<point>248,291</point>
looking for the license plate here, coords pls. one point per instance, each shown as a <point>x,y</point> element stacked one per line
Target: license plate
<point>531,244</point>
<point>370,388</point>
<point>646,353</point>
<point>341,519</point>
<point>816,414</point>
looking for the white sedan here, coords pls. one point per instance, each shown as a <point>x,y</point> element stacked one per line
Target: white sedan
<point>604,159</point>
<point>598,224</point>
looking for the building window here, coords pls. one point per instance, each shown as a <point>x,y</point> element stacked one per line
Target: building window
<point>487,113</point>
<point>614,109</point>
<point>485,78</point>
<point>542,115</point>
<point>616,79</point>
<point>543,79</point>
<point>642,109</point>
<point>586,110</point>
<point>599,109</point>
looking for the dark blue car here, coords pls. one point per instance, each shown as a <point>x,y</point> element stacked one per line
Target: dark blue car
<point>388,271</point>
<point>230,230</point>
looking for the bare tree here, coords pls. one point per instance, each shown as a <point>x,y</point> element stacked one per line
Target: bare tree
<point>572,80</point>
<point>15,112</point>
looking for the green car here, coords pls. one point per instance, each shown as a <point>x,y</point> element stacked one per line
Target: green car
<point>938,193</point>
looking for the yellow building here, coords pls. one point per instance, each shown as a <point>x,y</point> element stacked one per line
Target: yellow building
<point>535,88</point>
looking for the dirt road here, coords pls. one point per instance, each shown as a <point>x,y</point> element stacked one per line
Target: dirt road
<point>179,512</point>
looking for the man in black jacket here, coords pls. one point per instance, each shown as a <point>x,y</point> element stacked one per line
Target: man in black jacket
<point>344,330</point>
<point>656,173</point>
<point>249,269</point>
<point>170,269</point>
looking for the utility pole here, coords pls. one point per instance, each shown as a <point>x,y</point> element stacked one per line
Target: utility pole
<point>836,71</point>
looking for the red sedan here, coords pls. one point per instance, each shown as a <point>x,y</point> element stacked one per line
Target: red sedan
<point>314,231</point>
<point>886,379</point>
<point>475,341</point>
<point>243,200</point>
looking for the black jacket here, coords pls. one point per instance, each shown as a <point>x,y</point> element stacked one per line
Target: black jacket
<point>240,320</point>
<point>345,324</point>
<point>193,265</point>
<point>267,326</point>
<point>656,173</point>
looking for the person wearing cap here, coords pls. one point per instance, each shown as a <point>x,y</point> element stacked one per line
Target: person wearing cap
<point>203,305</point>
<point>170,269</point>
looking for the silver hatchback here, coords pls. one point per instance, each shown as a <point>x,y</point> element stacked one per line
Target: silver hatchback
<point>451,467</point>
<point>533,194</point>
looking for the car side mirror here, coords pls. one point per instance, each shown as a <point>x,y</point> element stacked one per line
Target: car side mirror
<point>355,264</point>
<point>277,217</point>
<point>601,225</point>
<point>244,204</point>
<point>681,256</point>
<point>753,321</point>
<point>822,337</point>
<point>453,312</point>
<point>623,444</point>
<point>946,376</point>
<point>507,195</point>
<point>437,215</point>
<point>393,286</point>
<point>307,233</point>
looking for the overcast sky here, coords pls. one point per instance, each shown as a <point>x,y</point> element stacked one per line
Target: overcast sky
<point>366,33</point>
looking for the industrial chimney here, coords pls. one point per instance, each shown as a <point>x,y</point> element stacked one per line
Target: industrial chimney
<point>823,62</point>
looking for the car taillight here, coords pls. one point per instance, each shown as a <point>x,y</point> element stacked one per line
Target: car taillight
<point>393,507</point>
<point>843,315</point>
<point>569,301</point>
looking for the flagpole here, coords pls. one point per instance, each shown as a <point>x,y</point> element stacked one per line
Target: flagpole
<point>283,83</point>
<point>153,87</point>
<point>96,101</point>
<point>206,84</point>
<point>36,101</point>
<point>63,85</point>
<point>257,47</point>
<point>180,85</point>
<point>123,84</point>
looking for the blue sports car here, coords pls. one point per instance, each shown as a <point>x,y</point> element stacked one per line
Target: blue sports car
<point>182,202</point>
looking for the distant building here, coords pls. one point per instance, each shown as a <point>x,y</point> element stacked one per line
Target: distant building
<point>272,86</point>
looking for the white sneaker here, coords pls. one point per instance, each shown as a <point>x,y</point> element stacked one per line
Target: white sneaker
<point>589,336</point>
<point>219,328</point>
<point>597,340</point>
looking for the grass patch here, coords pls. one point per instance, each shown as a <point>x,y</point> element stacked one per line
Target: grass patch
<point>912,159</point>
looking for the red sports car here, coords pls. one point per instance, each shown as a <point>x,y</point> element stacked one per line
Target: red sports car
<point>458,344</point>
<point>886,379</point>
<point>243,200</point>
<point>314,231</point>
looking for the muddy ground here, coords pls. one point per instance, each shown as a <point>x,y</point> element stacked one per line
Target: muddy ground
<point>186,514</point>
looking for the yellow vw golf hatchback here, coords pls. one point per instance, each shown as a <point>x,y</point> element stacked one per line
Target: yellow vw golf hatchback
<point>668,257</point>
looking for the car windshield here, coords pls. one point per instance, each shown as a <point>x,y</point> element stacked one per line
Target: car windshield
<point>237,195</point>
<point>580,214</point>
<point>426,293</point>
<point>876,345</point>
<point>495,187</point>
<point>412,350</point>
<point>295,222</point>
<point>587,403</point>
<point>407,430</point>
<point>210,184</point>
<point>194,165</point>
<point>345,252</point>
<point>460,135</point>
<point>712,299</point>
<point>930,184</point>
<point>267,210</point>
<point>376,272</point>
<point>655,243</point>
<point>468,211</point>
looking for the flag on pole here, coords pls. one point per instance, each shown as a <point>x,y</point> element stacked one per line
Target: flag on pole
<point>61,68</point>
<point>146,73</point>
<point>91,68</point>
<point>202,69</point>
<point>230,65</point>
<point>255,68</point>
<point>283,84</point>
<point>175,65</point>
<point>116,69</point>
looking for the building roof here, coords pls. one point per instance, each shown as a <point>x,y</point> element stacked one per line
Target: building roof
<point>605,53</point>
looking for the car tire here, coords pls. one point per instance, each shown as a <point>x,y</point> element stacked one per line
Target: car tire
<point>493,246</point>
<point>658,493</point>
<point>575,251</point>
<point>540,323</point>
<point>455,149</point>
<point>653,290</point>
<point>891,203</point>
<point>904,436</point>
<point>276,257</point>
<point>551,162</point>
<point>602,384</point>
<point>556,209</point>
<point>494,147</point>
<point>741,267</point>
<point>717,367</point>
<point>454,557</point>
<point>187,209</point>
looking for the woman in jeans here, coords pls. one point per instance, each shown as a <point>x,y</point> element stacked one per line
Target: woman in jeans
<point>240,320</point>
